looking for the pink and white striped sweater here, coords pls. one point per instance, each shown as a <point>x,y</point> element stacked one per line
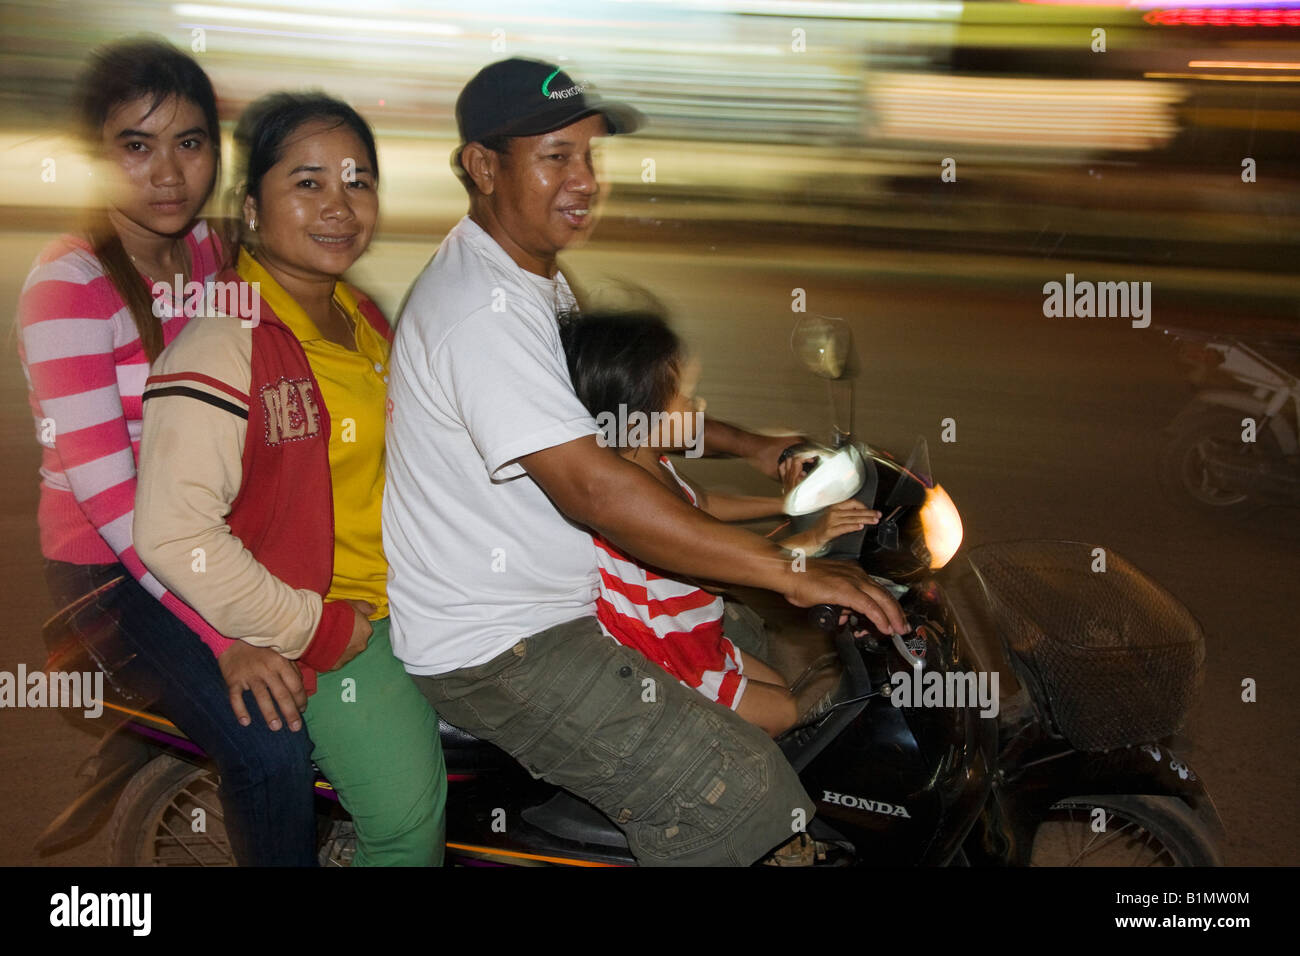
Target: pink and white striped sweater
<point>85,367</point>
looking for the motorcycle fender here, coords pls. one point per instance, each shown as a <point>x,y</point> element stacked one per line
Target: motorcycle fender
<point>1237,401</point>
<point>1011,816</point>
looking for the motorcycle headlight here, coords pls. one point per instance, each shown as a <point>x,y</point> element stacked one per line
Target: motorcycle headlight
<point>941,526</point>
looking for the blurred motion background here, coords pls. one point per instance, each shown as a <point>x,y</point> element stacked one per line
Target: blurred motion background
<point>919,169</point>
<point>797,119</point>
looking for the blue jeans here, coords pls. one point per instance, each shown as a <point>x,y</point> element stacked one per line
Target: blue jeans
<point>266,775</point>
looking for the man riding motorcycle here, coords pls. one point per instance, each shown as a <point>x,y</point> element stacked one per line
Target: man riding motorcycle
<point>493,461</point>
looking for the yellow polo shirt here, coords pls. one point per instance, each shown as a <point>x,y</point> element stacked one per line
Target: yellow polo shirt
<point>354,389</point>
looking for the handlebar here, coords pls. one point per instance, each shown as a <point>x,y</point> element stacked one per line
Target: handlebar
<point>827,618</point>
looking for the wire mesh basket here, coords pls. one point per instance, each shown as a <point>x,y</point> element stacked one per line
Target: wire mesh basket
<point>1116,659</point>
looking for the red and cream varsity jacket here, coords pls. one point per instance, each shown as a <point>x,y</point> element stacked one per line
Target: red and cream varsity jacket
<point>234,507</point>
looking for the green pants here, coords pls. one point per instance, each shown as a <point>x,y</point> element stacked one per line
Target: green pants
<point>377,741</point>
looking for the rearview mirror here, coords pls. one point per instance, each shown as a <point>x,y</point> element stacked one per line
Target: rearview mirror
<point>822,345</point>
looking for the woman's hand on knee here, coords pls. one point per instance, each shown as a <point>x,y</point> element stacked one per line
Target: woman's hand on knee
<point>273,679</point>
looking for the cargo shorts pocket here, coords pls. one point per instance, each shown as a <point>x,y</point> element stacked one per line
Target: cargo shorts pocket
<point>590,712</point>
<point>470,698</point>
<point>721,784</point>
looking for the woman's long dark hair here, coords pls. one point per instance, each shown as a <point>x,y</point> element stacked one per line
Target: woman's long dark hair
<point>621,358</point>
<point>116,74</point>
<point>270,120</point>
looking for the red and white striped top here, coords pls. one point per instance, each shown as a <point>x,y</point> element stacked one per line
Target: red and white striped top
<point>676,624</point>
<point>85,367</point>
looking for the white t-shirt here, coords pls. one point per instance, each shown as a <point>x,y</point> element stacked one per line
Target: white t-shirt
<point>478,556</point>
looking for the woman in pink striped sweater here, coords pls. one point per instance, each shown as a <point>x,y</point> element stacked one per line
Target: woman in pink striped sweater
<point>95,312</point>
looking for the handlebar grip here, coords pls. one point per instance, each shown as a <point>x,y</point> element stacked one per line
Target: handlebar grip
<point>825,616</point>
<point>789,452</point>
<point>800,447</point>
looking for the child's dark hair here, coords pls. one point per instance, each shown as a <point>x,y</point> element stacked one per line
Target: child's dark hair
<point>621,358</point>
<point>270,120</point>
<point>117,74</point>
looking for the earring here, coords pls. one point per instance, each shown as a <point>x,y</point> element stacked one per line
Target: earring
<point>252,224</point>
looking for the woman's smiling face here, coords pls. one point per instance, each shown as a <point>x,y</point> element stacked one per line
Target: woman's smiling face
<point>317,207</point>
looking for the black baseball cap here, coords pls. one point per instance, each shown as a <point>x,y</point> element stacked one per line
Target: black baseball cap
<point>520,97</point>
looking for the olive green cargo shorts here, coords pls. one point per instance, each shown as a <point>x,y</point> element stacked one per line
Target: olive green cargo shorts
<point>689,782</point>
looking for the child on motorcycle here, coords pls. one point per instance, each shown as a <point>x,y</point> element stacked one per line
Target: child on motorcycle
<point>630,371</point>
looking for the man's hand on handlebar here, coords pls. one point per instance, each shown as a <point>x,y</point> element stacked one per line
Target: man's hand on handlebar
<point>844,584</point>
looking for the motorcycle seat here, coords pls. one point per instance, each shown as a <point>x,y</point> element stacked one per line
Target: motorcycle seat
<point>453,738</point>
<point>572,818</point>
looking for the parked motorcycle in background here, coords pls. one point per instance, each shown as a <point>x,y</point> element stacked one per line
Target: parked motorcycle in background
<point>1236,446</point>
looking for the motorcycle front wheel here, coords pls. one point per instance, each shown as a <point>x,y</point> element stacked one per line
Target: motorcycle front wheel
<point>1184,469</point>
<point>1123,830</point>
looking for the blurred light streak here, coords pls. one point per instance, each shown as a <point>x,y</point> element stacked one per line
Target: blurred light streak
<point>1239,65</point>
<point>1080,114</point>
<point>878,10</point>
<point>1226,77</point>
<point>299,35</point>
<point>296,19</point>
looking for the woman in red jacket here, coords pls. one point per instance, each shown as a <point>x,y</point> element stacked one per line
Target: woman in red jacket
<point>263,452</point>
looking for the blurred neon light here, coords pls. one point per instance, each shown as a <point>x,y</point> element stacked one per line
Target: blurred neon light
<point>1225,17</point>
<point>1156,4</point>
<point>1239,65</point>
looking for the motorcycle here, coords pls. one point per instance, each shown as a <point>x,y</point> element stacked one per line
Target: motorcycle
<point>912,749</point>
<point>1236,446</point>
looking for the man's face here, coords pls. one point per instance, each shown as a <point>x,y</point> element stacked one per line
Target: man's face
<point>544,193</point>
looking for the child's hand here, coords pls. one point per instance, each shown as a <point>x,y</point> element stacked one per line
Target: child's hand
<point>796,468</point>
<point>843,518</point>
<point>791,470</point>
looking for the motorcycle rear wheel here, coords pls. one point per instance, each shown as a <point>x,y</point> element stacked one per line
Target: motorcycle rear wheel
<point>1139,830</point>
<point>153,822</point>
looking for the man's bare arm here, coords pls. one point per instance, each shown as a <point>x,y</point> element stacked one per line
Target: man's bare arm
<point>595,487</point>
<point>761,451</point>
